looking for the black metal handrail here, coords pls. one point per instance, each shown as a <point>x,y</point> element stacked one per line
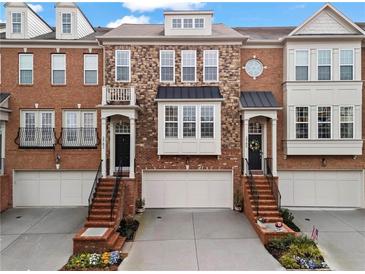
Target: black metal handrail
<point>118,178</point>
<point>274,186</point>
<point>253,188</point>
<point>84,137</point>
<point>95,184</point>
<point>39,137</point>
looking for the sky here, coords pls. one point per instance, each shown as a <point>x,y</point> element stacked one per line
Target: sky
<point>233,14</point>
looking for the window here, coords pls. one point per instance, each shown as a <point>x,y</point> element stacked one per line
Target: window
<point>58,69</point>
<point>29,126</point>
<point>301,65</point>
<point>188,65</point>
<point>347,122</point>
<point>176,23</point>
<point>46,125</point>
<point>211,66</point>
<point>25,69</point>
<point>199,23</point>
<point>346,64</point>
<point>324,64</point>
<point>123,65</point>
<point>16,18</point>
<point>171,122</point>
<point>189,121</point>
<point>301,122</point>
<point>167,66</point>
<point>207,122</point>
<point>188,23</point>
<point>66,22</point>
<point>90,69</point>
<point>324,122</point>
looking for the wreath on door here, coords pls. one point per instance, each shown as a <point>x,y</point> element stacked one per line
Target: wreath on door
<point>255,145</point>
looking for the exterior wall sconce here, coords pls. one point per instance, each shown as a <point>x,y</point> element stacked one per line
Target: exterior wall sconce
<point>323,162</point>
<point>58,161</point>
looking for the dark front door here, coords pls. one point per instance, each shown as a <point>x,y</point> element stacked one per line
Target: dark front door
<point>255,151</point>
<point>122,143</point>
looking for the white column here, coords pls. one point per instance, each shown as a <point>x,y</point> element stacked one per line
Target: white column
<point>112,148</point>
<point>245,144</point>
<point>274,149</point>
<point>132,146</point>
<point>103,146</point>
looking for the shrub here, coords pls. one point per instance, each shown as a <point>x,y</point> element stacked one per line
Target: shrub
<point>282,243</point>
<point>289,262</point>
<point>288,218</point>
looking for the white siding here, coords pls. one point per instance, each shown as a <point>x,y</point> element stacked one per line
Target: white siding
<point>207,30</point>
<point>83,26</point>
<point>36,26</point>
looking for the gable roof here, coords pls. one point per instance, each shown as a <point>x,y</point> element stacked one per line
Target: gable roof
<point>345,24</point>
<point>3,96</point>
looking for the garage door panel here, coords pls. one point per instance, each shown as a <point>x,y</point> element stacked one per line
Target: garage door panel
<point>176,195</point>
<point>286,190</point>
<point>71,192</point>
<point>304,192</point>
<point>197,194</point>
<point>49,192</point>
<point>350,193</point>
<point>154,194</point>
<point>327,193</point>
<point>26,192</point>
<point>45,176</point>
<point>219,194</point>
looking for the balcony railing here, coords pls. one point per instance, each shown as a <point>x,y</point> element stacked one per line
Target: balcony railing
<point>79,137</point>
<point>2,166</point>
<point>119,96</point>
<point>43,137</point>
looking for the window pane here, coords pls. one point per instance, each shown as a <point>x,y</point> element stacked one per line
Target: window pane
<point>346,72</point>
<point>17,25</point>
<point>188,23</point>
<point>301,73</point>
<point>210,58</point>
<point>167,74</point>
<point>189,118</point>
<point>167,58</point>
<point>26,61</point>
<point>189,74</point>
<point>122,58</point>
<point>199,23</point>
<point>324,114</point>
<point>176,23</point>
<point>207,130</point>
<point>58,61</point>
<point>122,73</point>
<point>59,77</point>
<point>324,57</point>
<point>171,124</point>
<point>171,130</point>
<point>324,122</point>
<point>26,77</point>
<point>90,77</point>
<point>207,113</point>
<point>89,119</point>
<point>189,113</point>
<point>346,57</point>
<point>301,58</point>
<point>66,23</point>
<point>302,114</point>
<point>302,130</point>
<point>207,122</point>
<point>211,74</point>
<point>347,114</point>
<point>347,130</point>
<point>324,130</point>
<point>171,113</point>
<point>324,73</point>
<point>91,62</point>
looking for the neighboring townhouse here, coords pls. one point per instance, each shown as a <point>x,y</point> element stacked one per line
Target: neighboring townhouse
<point>187,112</point>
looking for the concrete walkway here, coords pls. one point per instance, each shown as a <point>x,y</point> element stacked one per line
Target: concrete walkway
<point>38,238</point>
<point>341,235</point>
<point>197,240</point>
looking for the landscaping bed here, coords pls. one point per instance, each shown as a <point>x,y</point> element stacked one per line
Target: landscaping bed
<point>296,252</point>
<point>128,228</point>
<point>106,261</point>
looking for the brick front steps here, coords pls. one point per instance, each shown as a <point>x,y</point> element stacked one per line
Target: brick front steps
<point>106,238</point>
<point>268,208</point>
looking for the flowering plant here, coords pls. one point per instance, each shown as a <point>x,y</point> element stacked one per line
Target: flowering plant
<point>114,257</point>
<point>105,258</point>
<point>94,259</point>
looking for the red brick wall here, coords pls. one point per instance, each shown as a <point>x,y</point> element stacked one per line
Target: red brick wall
<point>271,80</point>
<point>49,97</point>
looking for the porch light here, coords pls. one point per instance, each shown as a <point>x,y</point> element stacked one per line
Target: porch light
<point>58,161</point>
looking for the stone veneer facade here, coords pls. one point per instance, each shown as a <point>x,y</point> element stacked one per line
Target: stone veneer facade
<point>145,78</point>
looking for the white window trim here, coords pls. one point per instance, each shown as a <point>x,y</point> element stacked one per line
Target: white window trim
<point>63,84</point>
<point>195,122</point>
<point>97,69</point>
<point>24,54</point>
<point>295,122</point>
<point>353,122</point>
<point>211,81</point>
<point>116,66</point>
<point>203,22</point>
<point>178,122</point>
<point>174,57</point>
<point>182,66</point>
<point>200,122</point>
<point>63,32</point>
<point>79,117</point>
<point>295,64</point>
<point>331,64</point>
<point>353,64</point>
<point>331,123</point>
<point>12,23</point>
<point>37,117</point>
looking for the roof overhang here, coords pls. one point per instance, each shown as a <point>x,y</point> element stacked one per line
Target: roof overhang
<point>190,100</point>
<point>6,42</point>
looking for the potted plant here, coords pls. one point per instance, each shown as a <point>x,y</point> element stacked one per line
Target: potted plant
<point>140,202</point>
<point>237,201</point>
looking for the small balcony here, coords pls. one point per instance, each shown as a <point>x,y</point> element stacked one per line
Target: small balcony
<point>79,138</point>
<point>119,96</point>
<point>36,137</point>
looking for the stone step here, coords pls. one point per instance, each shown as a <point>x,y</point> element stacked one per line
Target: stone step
<point>99,224</point>
<point>105,199</point>
<point>265,202</point>
<point>102,218</point>
<point>102,211</point>
<point>269,213</point>
<point>263,197</point>
<point>113,239</point>
<point>266,207</point>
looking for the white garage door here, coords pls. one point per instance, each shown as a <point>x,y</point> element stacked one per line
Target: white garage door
<point>322,188</point>
<point>184,189</point>
<point>52,188</point>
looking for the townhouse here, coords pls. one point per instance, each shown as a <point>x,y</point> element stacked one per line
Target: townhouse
<point>188,111</point>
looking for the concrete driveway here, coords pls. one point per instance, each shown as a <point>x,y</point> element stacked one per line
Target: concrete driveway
<point>341,235</point>
<point>38,238</point>
<point>216,239</point>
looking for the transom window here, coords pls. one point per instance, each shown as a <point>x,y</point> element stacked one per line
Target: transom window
<point>16,18</point>
<point>167,66</point>
<point>346,64</point>
<point>25,69</point>
<point>188,23</point>
<point>171,122</point>
<point>123,65</point>
<point>122,128</point>
<point>301,65</point>
<point>211,66</point>
<point>324,64</point>
<point>188,65</point>
<point>199,23</point>
<point>66,22</point>
<point>90,69</point>
<point>207,122</point>
<point>324,122</point>
<point>189,121</point>
<point>301,122</point>
<point>176,23</point>
<point>254,128</point>
<point>347,122</point>
<point>58,69</point>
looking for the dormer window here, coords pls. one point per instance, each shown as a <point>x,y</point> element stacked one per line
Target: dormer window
<point>16,18</point>
<point>188,23</point>
<point>176,23</point>
<point>199,23</point>
<point>66,22</point>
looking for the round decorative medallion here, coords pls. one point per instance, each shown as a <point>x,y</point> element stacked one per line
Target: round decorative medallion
<point>254,68</point>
